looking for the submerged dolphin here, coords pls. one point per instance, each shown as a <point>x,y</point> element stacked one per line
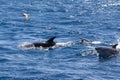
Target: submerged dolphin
<point>85,41</point>
<point>46,44</point>
<point>105,52</point>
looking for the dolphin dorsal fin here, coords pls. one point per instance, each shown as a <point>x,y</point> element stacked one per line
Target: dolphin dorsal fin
<point>51,39</point>
<point>114,46</point>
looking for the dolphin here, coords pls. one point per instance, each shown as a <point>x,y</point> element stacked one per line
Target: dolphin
<point>49,43</point>
<point>106,52</point>
<point>85,41</point>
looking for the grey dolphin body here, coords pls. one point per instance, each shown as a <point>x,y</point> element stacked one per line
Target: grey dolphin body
<point>46,44</point>
<point>105,52</point>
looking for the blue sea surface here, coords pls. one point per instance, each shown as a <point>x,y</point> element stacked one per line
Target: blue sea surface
<point>69,21</point>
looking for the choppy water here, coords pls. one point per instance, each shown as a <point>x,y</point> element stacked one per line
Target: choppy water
<point>69,21</point>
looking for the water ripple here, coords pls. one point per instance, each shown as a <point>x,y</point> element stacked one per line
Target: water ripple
<point>69,21</point>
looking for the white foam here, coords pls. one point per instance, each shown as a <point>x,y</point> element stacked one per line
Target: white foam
<point>118,41</point>
<point>111,4</point>
<point>118,46</point>
<point>96,42</point>
<point>23,45</point>
<point>89,52</point>
<point>62,44</point>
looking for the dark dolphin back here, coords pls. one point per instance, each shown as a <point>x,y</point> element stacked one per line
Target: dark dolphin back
<point>51,40</point>
<point>114,46</point>
<point>48,43</point>
<point>105,52</point>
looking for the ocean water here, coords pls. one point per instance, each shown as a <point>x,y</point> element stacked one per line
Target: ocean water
<point>69,21</point>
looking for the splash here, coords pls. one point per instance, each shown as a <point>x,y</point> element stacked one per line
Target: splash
<point>25,44</point>
<point>89,52</point>
<point>64,44</point>
<point>118,41</point>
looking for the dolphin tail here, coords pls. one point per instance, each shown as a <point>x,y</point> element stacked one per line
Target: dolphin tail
<point>51,39</point>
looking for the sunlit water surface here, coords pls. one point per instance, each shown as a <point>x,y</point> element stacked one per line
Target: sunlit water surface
<point>68,20</point>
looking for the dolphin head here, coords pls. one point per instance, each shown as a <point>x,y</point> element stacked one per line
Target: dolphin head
<point>86,41</point>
